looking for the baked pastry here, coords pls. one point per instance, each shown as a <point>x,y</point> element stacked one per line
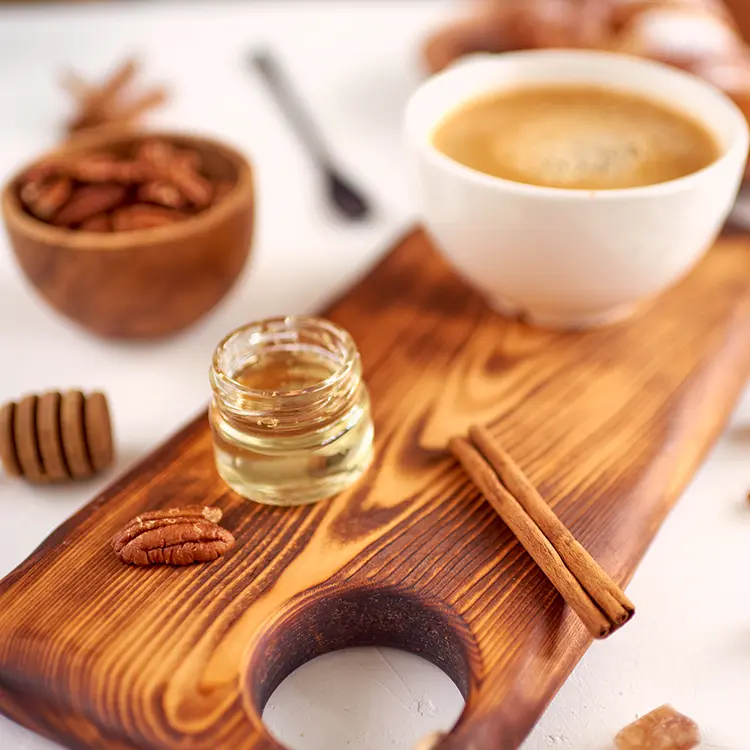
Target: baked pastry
<point>700,36</point>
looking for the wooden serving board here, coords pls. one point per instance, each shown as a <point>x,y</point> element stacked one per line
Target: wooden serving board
<point>609,424</point>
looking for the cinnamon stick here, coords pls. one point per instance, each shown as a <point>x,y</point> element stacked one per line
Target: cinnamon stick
<point>74,85</point>
<point>530,536</point>
<point>95,102</point>
<point>106,105</point>
<point>117,80</point>
<point>602,589</point>
<point>150,100</point>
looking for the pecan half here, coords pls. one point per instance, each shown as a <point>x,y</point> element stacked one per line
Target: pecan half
<point>56,167</point>
<point>178,167</point>
<point>102,168</point>
<point>91,168</point>
<point>188,158</point>
<point>196,188</point>
<point>144,216</point>
<point>161,193</point>
<point>159,154</point>
<point>89,200</point>
<point>45,199</point>
<point>176,536</point>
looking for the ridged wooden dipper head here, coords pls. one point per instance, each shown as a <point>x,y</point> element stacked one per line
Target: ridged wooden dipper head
<point>56,437</point>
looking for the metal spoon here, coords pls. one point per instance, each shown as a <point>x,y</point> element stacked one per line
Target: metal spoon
<point>344,196</point>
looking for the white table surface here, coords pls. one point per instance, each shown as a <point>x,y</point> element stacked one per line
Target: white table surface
<point>356,63</point>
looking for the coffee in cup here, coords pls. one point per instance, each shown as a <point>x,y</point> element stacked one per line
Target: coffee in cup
<point>575,137</point>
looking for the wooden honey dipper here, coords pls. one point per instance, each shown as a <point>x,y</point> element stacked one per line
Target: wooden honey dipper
<point>56,437</point>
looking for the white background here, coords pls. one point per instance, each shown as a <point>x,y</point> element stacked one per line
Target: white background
<point>356,63</point>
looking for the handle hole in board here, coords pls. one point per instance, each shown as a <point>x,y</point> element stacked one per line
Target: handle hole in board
<point>369,622</point>
<point>362,699</point>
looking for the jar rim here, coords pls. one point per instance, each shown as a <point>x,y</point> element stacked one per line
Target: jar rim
<point>348,348</point>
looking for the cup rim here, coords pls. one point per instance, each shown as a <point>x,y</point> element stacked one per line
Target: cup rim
<point>737,149</point>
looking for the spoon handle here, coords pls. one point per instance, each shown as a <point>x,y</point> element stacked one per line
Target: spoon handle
<point>299,118</point>
<point>341,192</point>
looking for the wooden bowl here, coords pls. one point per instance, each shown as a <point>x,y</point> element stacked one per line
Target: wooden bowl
<point>145,283</point>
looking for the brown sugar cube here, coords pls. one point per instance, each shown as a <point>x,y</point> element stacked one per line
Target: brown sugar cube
<point>662,729</point>
<point>49,437</point>
<point>8,455</point>
<point>73,435</point>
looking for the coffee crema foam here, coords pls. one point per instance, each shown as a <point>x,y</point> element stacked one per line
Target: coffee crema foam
<point>575,137</point>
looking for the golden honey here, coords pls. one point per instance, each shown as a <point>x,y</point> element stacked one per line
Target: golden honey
<point>290,413</point>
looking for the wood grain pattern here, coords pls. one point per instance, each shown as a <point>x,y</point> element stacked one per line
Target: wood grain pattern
<point>144,284</point>
<point>609,424</point>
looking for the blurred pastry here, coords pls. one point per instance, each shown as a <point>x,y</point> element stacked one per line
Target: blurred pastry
<point>700,36</point>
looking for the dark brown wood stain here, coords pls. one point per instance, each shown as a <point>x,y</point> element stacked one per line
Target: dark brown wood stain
<point>610,424</point>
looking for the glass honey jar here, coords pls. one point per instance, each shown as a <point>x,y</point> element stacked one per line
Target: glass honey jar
<point>290,413</point>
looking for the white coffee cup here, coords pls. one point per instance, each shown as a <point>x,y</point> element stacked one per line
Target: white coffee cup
<point>572,258</point>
